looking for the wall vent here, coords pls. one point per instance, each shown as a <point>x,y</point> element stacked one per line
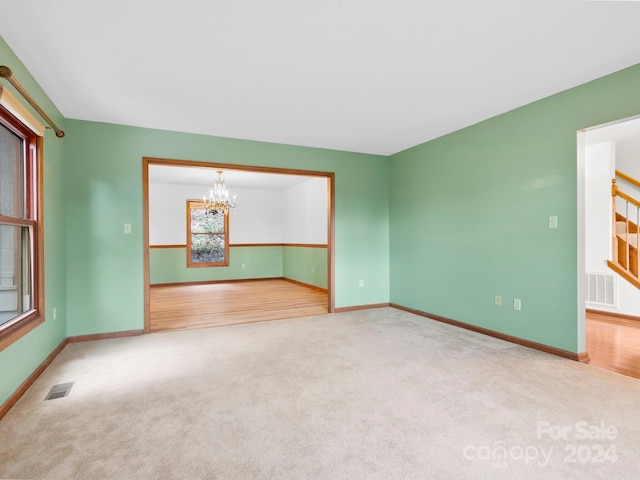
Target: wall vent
<point>601,289</point>
<point>59,391</point>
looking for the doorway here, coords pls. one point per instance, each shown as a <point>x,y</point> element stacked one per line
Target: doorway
<point>279,243</point>
<point>608,304</point>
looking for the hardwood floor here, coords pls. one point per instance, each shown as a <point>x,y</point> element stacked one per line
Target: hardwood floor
<point>614,344</point>
<point>209,305</point>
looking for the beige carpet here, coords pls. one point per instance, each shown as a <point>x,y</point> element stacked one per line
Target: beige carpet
<point>378,394</point>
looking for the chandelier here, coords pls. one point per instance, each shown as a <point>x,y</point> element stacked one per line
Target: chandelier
<point>218,201</point>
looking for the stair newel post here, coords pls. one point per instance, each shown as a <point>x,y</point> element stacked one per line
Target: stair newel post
<point>614,237</point>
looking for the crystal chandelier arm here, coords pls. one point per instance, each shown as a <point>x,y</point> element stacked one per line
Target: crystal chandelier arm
<point>218,201</point>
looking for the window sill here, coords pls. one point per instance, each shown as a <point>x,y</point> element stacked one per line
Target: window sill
<point>14,331</point>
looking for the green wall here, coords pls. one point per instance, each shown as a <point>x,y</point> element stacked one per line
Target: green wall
<point>21,358</point>
<point>466,218</point>
<point>104,190</point>
<point>169,265</point>
<point>307,265</point>
<point>469,214</point>
<point>304,264</point>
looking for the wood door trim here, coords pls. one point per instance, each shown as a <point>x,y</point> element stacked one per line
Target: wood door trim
<point>232,166</point>
<point>330,176</point>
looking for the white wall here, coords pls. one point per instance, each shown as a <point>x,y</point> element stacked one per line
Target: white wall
<point>295,215</point>
<point>628,156</point>
<point>628,162</point>
<point>306,212</point>
<point>600,162</point>
<point>252,221</point>
<point>256,219</point>
<point>599,168</point>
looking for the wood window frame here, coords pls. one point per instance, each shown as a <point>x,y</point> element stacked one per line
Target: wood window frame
<point>190,264</point>
<point>33,217</point>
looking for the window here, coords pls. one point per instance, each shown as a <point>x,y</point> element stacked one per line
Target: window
<point>207,236</point>
<point>21,250</point>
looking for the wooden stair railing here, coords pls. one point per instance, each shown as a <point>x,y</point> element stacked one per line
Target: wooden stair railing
<point>628,178</point>
<point>625,232</point>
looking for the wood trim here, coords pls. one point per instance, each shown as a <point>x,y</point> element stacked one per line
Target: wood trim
<point>628,198</point>
<point>579,357</point>
<point>307,245</point>
<point>5,72</point>
<point>330,176</point>
<point>199,204</point>
<point>18,110</point>
<point>621,316</point>
<point>354,308</point>
<point>583,357</point>
<point>628,178</point>
<point>34,179</point>
<point>232,245</point>
<point>331,222</point>
<point>104,336</point>
<point>15,221</point>
<point>13,333</point>
<point>302,284</point>
<point>24,386</point>
<point>145,241</point>
<point>624,273</point>
<point>233,166</point>
<point>39,240</point>
<point>213,282</point>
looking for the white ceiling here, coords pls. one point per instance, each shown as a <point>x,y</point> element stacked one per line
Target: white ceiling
<point>373,76</point>
<point>233,178</point>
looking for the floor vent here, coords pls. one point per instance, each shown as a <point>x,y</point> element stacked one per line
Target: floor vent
<point>601,289</point>
<point>59,391</point>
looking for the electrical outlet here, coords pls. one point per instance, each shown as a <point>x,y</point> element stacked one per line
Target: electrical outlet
<point>361,283</point>
<point>243,265</point>
<point>517,304</point>
<point>497,300</point>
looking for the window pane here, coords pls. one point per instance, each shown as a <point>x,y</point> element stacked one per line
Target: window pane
<point>11,173</point>
<point>203,221</point>
<point>207,248</point>
<point>15,271</point>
